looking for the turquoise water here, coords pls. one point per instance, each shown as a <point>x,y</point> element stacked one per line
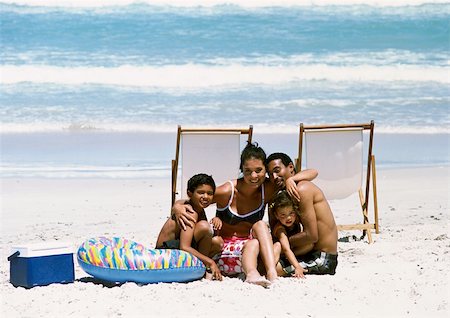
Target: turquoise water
<point>149,154</point>
<point>116,71</point>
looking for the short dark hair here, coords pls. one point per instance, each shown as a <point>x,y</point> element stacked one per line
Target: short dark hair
<point>252,151</point>
<point>199,179</point>
<point>285,159</point>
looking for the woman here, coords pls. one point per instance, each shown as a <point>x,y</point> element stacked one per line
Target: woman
<point>240,208</point>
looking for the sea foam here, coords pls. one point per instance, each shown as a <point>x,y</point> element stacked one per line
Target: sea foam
<point>198,76</point>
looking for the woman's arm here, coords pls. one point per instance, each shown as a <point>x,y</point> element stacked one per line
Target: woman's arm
<point>183,213</point>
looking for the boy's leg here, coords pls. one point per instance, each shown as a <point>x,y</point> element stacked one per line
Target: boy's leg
<point>261,232</point>
<point>203,236</point>
<point>216,246</point>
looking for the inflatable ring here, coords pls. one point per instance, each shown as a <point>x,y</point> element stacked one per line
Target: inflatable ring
<point>121,260</point>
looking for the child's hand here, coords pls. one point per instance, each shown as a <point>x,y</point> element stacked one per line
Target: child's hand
<point>216,223</point>
<point>215,271</point>
<point>299,272</point>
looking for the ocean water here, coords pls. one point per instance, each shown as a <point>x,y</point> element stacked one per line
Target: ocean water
<point>97,88</point>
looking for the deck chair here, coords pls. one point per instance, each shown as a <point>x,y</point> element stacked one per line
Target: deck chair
<point>336,152</point>
<point>212,151</point>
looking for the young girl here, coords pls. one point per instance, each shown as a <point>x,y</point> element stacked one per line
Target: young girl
<point>287,214</point>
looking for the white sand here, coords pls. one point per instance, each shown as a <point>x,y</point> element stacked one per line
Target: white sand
<point>404,273</point>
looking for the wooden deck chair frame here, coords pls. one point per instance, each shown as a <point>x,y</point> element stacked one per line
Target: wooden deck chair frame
<point>248,131</point>
<point>366,226</point>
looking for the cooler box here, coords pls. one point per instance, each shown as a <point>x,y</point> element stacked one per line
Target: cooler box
<point>41,264</point>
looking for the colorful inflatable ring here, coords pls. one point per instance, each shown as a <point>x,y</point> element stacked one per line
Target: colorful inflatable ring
<point>121,260</point>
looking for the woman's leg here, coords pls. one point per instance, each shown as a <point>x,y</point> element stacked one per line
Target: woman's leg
<point>250,262</point>
<point>260,231</point>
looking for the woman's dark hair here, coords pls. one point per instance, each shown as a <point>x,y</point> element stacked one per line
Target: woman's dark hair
<point>252,151</point>
<point>199,179</point>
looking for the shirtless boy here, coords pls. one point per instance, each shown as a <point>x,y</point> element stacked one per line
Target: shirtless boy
<point>315,246</point>
<point>195,240</point>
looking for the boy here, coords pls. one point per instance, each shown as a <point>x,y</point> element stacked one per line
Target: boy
<point>197,240</point>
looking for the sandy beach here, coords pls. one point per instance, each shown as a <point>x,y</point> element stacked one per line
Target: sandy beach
<point>403,274</point>
<point>91,96</point>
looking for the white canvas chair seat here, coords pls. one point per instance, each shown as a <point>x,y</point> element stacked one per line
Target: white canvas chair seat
<point>344,150</point>
<point>215,152</point>
<point>337,152</point>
